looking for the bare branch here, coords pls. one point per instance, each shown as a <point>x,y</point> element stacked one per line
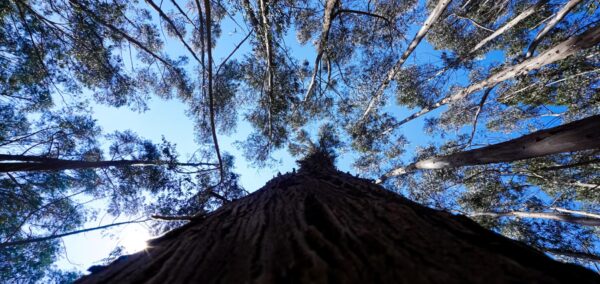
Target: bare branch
<point>179,35</point>
<point>51,237</point>
<point>479,108</point>
<point>475,23</point>
<point>568,218</point>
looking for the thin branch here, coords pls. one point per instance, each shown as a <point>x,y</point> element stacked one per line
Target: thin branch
<point>51,237</point>
<point>339,11</point>
<point>479,108</point>
<point>562,217</point>
<point>184,14</point>
<point>173,218</point>
<point>170,22</point>
<point>504,98</point>
<point>475,23</point>
<point>211,99</point>
<point>523,15</point>
<point>327,19</point>
<point>233,52</point>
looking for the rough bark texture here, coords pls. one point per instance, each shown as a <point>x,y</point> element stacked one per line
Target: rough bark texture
<point>323,226</point>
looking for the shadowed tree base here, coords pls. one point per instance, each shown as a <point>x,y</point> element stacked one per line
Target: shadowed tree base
<point>329,227</point>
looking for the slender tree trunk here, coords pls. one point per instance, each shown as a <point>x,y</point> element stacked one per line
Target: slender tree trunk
<point>557,216</point>
<point>431,20</point>
<point>523,15</point>
<point>323,226</point>
<point>36,163</point>
<point>327,19</point>
<point>557,18</point>
<point>61,165</point>
<point>572,45</point>
<point>579,135</point>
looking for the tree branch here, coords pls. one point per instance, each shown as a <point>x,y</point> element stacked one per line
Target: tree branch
<point>327,19</point>
<point>51,237</point>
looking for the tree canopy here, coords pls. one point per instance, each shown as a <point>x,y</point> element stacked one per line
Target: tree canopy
<point>355,79</point>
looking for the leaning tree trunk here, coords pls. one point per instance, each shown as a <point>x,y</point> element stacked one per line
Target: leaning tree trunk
<point>578,135</point>
<point>324,226</point>
<point>30,163</point>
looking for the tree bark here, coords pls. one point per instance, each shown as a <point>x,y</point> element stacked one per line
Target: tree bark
<point>579,135</point>
<point>324,226</point>
<point>572,45</point>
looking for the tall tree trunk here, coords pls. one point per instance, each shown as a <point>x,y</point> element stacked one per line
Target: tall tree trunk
<point>323,226</point>
<point>579,135</point>
<point>429,22</point>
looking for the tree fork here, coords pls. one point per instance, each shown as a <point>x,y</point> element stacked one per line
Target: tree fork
<point>324,226</point>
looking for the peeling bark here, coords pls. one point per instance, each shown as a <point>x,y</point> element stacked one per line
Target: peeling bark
<point>324,226</point>
<point>579,135</point>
